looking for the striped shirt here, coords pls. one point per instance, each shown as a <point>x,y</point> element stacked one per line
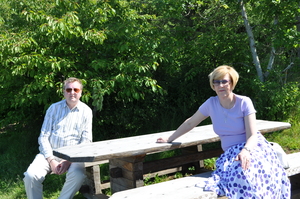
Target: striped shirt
<point>65,127</point>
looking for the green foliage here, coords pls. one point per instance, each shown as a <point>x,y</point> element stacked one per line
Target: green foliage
<point>275,101</point>
<point>288,139</point>
<point>276,24</point>
<point>155,180</point>
<point>142,61</point>
<point>178,175</point>
<point>210,163</point>
<point>87,40</point>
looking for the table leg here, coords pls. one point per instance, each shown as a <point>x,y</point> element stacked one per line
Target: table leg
<point>126,173</point>
<point>92,183</point>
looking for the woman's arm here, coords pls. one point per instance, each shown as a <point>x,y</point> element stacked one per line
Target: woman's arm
<point>251,135</point>
<point>185,127</point>
<point>251,131</point>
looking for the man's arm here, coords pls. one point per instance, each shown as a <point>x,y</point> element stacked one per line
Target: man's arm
<point>86,134</point>
<point>43,140</point>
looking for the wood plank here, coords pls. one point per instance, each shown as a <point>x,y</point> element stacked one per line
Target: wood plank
<point>125,183</point>
<point>162,172</point>
<point>105,185</point>
<point>296,194</point>
<point>129,166</point>
<point>144,144</point>
<point>132,173</point>
<point>264,126</point>
<point>100,196</point>
<point>294,163</point>
<point>97,180</point>
<point>121,184</point>
<point>176,161</point>
<point>198,163</point>
<point>179,188</point>
<point>89,164</point>
<point>117,187</point>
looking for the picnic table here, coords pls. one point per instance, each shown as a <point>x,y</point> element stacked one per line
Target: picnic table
<point>126,155</point>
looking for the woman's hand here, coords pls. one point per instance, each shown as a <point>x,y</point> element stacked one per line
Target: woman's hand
<point>245,157</point>
<point>162,140</point>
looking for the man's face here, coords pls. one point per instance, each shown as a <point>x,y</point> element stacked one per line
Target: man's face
<point>72,93</point>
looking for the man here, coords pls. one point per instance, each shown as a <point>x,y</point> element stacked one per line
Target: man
<point>67,122</point>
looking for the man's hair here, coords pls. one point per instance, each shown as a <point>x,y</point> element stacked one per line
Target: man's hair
<point>71,80</point>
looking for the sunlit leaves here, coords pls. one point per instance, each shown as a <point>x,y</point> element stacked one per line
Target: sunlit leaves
<point>130,52</point>
<point>106,44</point>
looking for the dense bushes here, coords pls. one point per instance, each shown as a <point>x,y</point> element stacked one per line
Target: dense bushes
<point>144,63</point>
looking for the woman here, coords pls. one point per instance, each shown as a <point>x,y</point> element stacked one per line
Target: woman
<point>248,168</point>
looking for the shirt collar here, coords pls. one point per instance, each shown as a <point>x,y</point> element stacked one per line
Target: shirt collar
<point>77,107</point>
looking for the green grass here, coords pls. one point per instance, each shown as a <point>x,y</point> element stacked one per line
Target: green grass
<point>17,152</point>
<point>289,139</point>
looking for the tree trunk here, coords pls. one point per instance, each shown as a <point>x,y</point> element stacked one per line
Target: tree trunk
<point>271,60</point>
<point>252,42</point>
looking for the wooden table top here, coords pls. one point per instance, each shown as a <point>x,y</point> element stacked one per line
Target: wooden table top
<point>143,144</point>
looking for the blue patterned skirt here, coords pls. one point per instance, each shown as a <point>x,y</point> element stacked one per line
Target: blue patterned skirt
<point>264,179</point>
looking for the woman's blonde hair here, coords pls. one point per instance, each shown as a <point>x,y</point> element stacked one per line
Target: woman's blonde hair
<point>219,72</point>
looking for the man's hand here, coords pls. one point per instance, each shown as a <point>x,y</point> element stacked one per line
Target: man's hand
<point>62,167</point>
<point>59,167</point>
<point>53,164</point>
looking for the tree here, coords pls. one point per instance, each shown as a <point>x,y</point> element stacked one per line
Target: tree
<point>252,42</point>
<point>279,21</point>
<point>105,44</point>
<point>141,61</point>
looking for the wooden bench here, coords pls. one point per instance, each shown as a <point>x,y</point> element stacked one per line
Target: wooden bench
<point>92,185</point>
<point>185,187</point>
<point>126,156</point>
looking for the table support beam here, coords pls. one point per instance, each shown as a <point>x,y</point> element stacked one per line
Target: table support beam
<point>197,165</point>
<point>132,173</point>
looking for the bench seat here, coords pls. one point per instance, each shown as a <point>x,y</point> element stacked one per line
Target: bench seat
<point>185,187</point>
<point>294,163</point>
<point>179,188</point>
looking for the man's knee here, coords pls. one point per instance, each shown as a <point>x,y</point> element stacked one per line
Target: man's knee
<point>30,176</point>
<point>77,174</point>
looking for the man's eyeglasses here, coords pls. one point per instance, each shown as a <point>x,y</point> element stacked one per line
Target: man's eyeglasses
<point>219,82</point>
<point>76,90</point>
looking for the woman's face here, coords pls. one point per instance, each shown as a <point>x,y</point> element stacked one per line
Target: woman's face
<point>223,86</point>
